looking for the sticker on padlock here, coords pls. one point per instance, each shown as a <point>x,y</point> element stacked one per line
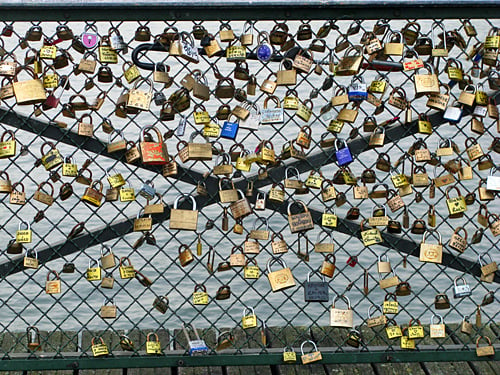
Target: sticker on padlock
<point>461,291</point>
<point>248,319</point>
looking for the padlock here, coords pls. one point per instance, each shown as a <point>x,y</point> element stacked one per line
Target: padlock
<point>314,180</point>
<point>93,271</point>
<point>108,309</point>
<point>377,137</point>
<point>251,247</point>
<point>357,91</point>
<point>376,320</point>
<point>147,190</point>
<point>184,219</point>
<point>458,242</point>
<point>33,335</point>
<point>299,222</point>
<point>277,193</point>
<point>281,279</point>
<point>393,330</point>
<point>391,305</point>
<point>314,354</point>
<point>466,326</point>
<point>426,83</point>
<point>200,295</point>
<point>484,351</point>
<point>441,301</point>
<point>107,257</point>
<point>488,268</point>
<point>42,196</point>
<point>153,153</point>
<point>456,206</point>
<point>185,255</point>
<point>461,291</point>
<point>289,355</point>
<point>127,194</point>
<point>240,208</point>
<point>51,159</point>
<point>24,233</point>
<point>144,223</point>
<point>260,234</point>
<point>248,319</point>
<point>370,236</point>
<point>431,252</point>
<point>99,349</point>
<point>278,245</point>
<point>153,347</point>
<point>324,247</point>
<point>383,266</point>
<point>350,63</point>
<point>415,331</point>
<point>468,96</point>
<point>406,341</point>
<point>388,282</point>
<point>292,183</point>
<point>127,271</point>
<point>493,182</point>
<point>107,55</point>
<point>251,270</point>
<point>316,291</point>
<point>195,151</point>
<point>341,317</point>
<point>343,154</point>
<point>53,286</point>
<point>437,331</point>
<point>271,115</point>
<point>161,304</point>
<point>30,259</point>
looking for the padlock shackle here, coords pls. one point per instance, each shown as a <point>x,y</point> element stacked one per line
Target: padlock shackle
<point>371,307</point>
<point>343,298</point>
<point>245,309</point>
<point>193,201</point>
<point>315,348</point>
<point>272,261</point>
<point>441,321</point>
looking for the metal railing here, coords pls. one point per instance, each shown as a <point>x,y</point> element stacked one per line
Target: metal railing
<point>70,236</point>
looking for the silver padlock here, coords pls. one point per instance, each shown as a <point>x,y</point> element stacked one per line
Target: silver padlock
<point>260,201</point>
<point>159,98</point>
<point>116,40</point>
<point>461,291</point>
<point>198,346</point>
<point>147,190</point>
<point>453,113</point>
<point>357,91</point>
<point>493,182</point>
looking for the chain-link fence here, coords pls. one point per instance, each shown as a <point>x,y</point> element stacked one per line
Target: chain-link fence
<point>343,181</point>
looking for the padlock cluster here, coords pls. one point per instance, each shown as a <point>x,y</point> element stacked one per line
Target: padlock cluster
<point>391,53</point>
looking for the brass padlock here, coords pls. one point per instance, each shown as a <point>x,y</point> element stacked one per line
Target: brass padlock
<point>431,252</point>
<point>281,279</point>
<point>53,286</point>
<point>184,219</point>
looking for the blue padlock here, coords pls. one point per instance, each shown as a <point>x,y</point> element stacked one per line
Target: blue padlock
<point>147,190</point>
<point>229,129</point>
<point>343,154</point>
<point>357,91</point>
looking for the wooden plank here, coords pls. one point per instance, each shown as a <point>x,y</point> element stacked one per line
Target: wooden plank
<point>442,368</point>
<point>377,336</point>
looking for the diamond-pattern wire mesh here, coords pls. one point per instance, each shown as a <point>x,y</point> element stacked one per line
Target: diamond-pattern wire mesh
<point>77,307</point>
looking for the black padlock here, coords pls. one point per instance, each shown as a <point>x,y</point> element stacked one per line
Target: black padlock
<point>354,338</point>
<point>68,268</point>
<point>316,291</point>
<point>159,98</point>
